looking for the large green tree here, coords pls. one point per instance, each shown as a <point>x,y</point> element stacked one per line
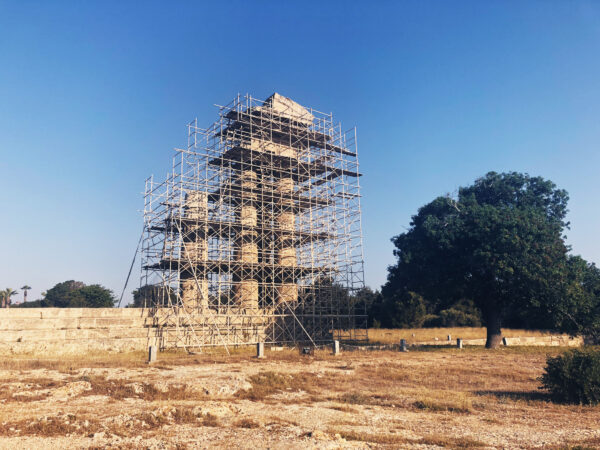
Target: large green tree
<point>93,296</point>
<point>499,243</point>
<point>62,294</point>
<point>578,310</point>
<point>149,296</point>
<point>74,294</point>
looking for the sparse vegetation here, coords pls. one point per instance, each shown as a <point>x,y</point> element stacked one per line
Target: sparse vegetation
<point>379,438</point>
<point>184,415</point>
<point>210,420</point>
<point>395,439</point>
<point>121,389</point>
<point>574,376</point>
<point>247,423</point>
<point>355,398</point>
<point>49,426</point>
<point>458,404</point>
<point>380,398</point>
<point>265,384</point>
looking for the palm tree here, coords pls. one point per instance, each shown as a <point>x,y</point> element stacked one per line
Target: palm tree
<point>25,289</point>
<point>6,295</point>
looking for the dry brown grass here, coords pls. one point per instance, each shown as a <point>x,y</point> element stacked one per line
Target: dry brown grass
<point>167,360</point>
<point>70,363</point>
<point>583,444</point>
<point>70,424</point>
<point>184,415</point>
<point>179,415</point>
<point>426,397</point>
<point>50,426</point>
<point>475,369</point>
<point>119,389</point>
<point>397,440</point>
<point>458,404</point>
<point>374,438</point>
<point>367,397</point>
<point>246,423</point>
<point>344,408</point>
<point>8,396</point>
<point>450,442</point>
<point>457,383</point>
<point>153,420</point>
<point>273,420</point>
<point>23,395</point>
<point>210,420</point>
<point>265,384</point>
<point>355,398</point>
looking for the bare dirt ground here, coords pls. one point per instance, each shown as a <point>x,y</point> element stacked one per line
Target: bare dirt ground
<point>439,397</point>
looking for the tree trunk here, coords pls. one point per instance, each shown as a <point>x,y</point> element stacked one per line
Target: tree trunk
<point>25,296</point>
<point>494,331</point>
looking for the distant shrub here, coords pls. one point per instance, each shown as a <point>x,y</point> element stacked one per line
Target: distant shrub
<point>463,313</point>
<point>410,310</point>
<point>453,317</point>
<point>401,310</point>
<point>431,321</point>
<point>33,304</point>
<point>574,376</point>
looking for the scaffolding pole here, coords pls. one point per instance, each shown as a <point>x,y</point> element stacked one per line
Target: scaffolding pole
<point>255,233</point>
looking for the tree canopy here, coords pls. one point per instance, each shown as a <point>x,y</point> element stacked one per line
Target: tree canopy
<point>499,243</point>
<point>578,310</point>
<point>75,294</point>
<point>6,295</point>
<point>148,296</point>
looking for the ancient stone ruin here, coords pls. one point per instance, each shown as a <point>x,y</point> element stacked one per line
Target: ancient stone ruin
<point>255,235</point>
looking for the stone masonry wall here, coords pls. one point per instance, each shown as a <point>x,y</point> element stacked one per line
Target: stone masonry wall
<point>56,331</point>
<point>74,330</point>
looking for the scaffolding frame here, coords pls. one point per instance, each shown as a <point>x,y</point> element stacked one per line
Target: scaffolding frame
<point>255,234</point>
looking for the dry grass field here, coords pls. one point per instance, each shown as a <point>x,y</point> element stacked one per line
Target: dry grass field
<point>427,398</point>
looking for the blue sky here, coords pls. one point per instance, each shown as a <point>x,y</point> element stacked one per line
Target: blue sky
<point>95,95</point>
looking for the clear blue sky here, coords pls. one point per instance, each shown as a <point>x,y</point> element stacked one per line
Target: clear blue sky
<point>95,95</point>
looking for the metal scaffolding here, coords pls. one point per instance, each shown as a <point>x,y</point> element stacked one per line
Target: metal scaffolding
<point>255,235</point>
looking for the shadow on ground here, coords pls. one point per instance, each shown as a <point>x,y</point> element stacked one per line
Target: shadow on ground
<point>518,395</point>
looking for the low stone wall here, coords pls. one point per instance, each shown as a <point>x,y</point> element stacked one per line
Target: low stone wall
<point>74,330</point>
<point>59,331</point>
<point>560,340</point>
